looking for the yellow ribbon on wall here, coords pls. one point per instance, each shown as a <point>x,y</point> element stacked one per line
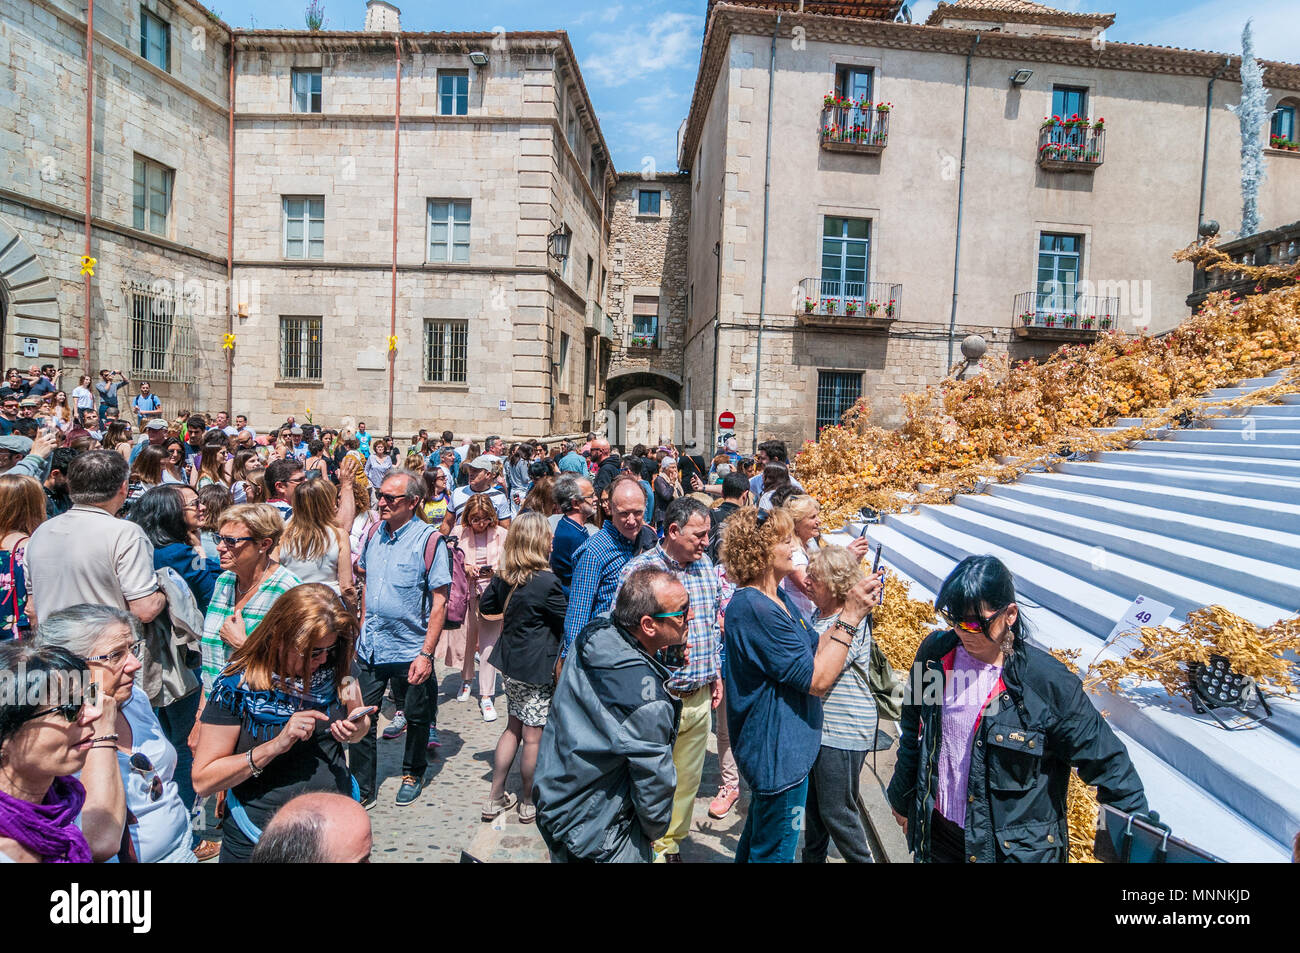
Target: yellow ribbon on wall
<point>88,265</point>
<point>228,342</point>
<point>392,342</point>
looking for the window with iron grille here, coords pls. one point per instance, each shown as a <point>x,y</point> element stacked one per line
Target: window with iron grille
<point>306,90</point>
<point>300,348</point>
<point>153,318</point>
<point>155,40</point>
<point>304,226</point>
<point>152,198</point>
<point>446,351</point>
<point>453,92</point>
<point>449,230</point>
<point>836,393</point>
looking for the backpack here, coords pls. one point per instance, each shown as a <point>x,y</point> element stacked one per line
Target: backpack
<point>458,596</point>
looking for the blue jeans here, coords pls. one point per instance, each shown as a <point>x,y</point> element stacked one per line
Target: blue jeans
<point>771,834</point>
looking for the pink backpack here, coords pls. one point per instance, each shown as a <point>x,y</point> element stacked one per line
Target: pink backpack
<point>458,597</point>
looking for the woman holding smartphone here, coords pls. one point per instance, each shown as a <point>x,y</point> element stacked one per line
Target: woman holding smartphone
<point>278,718</point>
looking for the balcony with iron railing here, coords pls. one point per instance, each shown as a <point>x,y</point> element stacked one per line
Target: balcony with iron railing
<point>861,127</point>
<point>642,341</point>
<point>1071,145</point>
<point>870,306</point>
<point>1055,317</point>
<point>598,322</point>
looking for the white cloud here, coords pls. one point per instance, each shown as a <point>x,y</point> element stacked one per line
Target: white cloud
<point>1216,25</point>
<point>667,42</point>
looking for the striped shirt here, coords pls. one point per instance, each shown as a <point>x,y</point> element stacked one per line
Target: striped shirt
<point>703,638</point>
<point>216,653</point>
<point>600,560</point>
<point>849,709</point>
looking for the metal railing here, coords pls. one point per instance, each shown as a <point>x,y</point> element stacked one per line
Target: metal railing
<point>1083,144</point>
<point>863,125</point>
<point>633,339</point>
<point>162,333</point>
<point>871,299</point>
<point>1037,309</point>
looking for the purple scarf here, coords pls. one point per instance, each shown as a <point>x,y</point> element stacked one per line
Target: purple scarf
<point>48,829</point>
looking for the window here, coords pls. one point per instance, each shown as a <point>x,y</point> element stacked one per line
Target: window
<point>304,226</point>
<point>648,202</point>
<point>449,230</point>
<point>1058,271</point>
<point>845,246</point>
<point>573,130</point>
<point>153,318</point>
<point>591,268</point>
<point>155,40</point>
<point>306,90</point>
<point>446,347</point>
<point>1069,101</point>
<point>563,367</point>
<point>300,348</point>
<point>453,92</point>
<point>152,197</point>
<point>595,171</point>
<point>853,82</point>
<point>1283,126</point>
<point>836,392</point>
<point>645,321</point>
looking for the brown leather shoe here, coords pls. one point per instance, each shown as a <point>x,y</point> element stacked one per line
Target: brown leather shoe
<point>207,850</point>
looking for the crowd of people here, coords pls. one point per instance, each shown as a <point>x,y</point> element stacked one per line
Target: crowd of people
<point>228,612</point>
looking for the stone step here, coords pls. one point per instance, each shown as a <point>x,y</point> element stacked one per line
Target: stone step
<point>1256,422</point>
<point>1137,487</point>
<point>1237,448</point>
<point>1241,437</point>
<point>1274,546</point>
<point>1265,581</point>
<point>1218,464</point>
<point>1258,488</point>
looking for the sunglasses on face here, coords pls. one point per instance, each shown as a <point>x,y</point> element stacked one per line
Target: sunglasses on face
<point>978,624</point>
<point>323,652</point>
<point>230,542</point>
<point>680,613</point>
<point>141,764</point>
<point>136,648</point>
<point>72,710</point>
<point>390,498</point>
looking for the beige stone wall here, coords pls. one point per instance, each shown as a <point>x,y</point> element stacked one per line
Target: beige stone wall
<point>177,118</point>
<point>1138,207</point>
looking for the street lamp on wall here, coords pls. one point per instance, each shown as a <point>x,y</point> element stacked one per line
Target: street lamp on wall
<point>1021,76</point>
<point>557,243</point>
<point>478,58</point>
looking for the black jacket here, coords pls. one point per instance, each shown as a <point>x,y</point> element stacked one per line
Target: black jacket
<point>532,629</point>
<point>1029,736</point>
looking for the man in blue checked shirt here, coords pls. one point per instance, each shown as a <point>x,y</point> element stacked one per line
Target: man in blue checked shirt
<point>601,559</point>
<point>698,683</point>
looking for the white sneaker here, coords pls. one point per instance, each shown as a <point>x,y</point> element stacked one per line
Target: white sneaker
<point>489,710</point>
<point>464,692</point>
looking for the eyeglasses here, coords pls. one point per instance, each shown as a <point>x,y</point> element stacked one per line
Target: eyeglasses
<point>72,710</point>
<point>141,764</point>
<point>230,542</point>
<point>325,652</point>
<point>136,648</point>
<point>392,499</point>
<point>965,625</point>
<point>671,615</point>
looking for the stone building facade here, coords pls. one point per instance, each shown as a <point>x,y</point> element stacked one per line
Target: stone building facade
<point>647,301</point>
<point>498,155</point>
<point>869,196</point>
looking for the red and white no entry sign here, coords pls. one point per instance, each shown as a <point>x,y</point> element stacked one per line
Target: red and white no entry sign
<point>726,420</point>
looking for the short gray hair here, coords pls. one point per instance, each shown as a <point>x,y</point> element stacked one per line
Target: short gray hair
<point>414,481</point>
<point>637,598</point>
<point>78,628</point>
<point>568,492</point>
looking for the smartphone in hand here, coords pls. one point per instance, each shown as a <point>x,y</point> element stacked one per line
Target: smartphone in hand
<point>362,713</point>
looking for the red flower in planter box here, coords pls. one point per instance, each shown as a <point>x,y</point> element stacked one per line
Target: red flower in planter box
<point>829,306</point>
<point>808,305</point>
<point>872,308</point>
<point>851,307</point>
<point>1088,323</point>
<point>884,107</point>
<point>1049,320</point>
<point>1069,320</point>
<point>1027,318</point>
<point>1105,324</point>
<point>889,309</point>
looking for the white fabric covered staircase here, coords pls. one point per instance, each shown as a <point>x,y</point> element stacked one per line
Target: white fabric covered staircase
<point>1201,516</point>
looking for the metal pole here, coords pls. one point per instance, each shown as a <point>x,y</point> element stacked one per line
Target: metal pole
<point>392,319</point>
<point>717,317</point>
<point>767,194</point>
<point>90,148</point>
<point>230,230</point>
<point>1205,146</point>
<point>961,194</point>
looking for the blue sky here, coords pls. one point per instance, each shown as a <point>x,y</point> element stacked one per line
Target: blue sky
<point>638,57</point>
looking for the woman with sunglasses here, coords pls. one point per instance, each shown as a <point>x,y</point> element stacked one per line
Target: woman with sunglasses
<point>47,813</point>
<point>991,727</point>
<point>277,720</point>
<point>157,820</point>
<point>248,586</point>
<point>778,670</point>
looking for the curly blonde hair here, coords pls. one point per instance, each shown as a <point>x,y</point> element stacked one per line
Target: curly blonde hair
<point>747,545</point>
<point>838,568</point>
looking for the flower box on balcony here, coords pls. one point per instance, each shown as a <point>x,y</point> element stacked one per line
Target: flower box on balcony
<point>1070,145</point>
<point>851,308</point>
<point>808,305</point>
<point>829,306</point>
<point>639,343</point>
<point>848,306</point>
<point>849,126</point>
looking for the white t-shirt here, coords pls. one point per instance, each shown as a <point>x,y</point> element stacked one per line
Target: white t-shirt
<point>460,496</point>
<point>164,824</point>
<point>88,555</point>
<point>83,398</point>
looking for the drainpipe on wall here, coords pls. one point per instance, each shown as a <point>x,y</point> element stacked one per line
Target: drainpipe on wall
<point>90,148</point>
<point>961,194</point>
<point>392,318</point>
<point>230,230</point>
<point>717,316</point>
<point>767,194</point>
<point>1205,147</point>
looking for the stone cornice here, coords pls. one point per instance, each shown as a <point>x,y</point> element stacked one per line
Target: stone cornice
<point>727,20</point>
<point>960,10</point>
